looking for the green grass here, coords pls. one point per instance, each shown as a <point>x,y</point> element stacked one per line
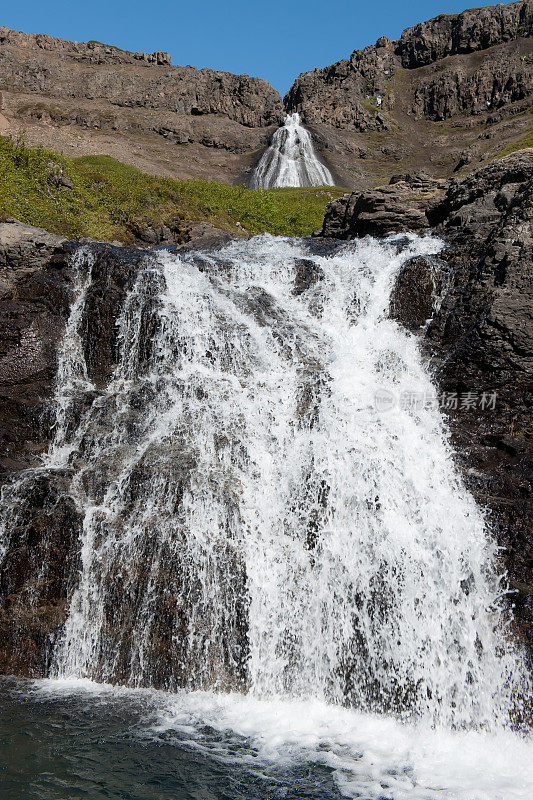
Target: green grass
<point>525,141</point>
<point>111,200</point>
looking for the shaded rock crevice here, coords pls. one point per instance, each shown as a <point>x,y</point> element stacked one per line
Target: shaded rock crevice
<point>35,296</point>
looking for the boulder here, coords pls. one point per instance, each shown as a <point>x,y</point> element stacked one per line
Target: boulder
<point>400,206</point>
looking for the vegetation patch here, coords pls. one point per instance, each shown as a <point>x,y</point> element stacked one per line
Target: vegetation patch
<point>100,198</point>
<point>520,144</point>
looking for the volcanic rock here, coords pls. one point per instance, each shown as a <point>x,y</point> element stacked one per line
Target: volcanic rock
<point>400,206</point>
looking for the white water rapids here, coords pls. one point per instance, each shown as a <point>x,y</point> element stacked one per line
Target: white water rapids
<point>253,522</point>
<point>291,160</point>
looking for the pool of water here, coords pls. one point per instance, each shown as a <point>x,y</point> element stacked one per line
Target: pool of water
<point>68,740</point>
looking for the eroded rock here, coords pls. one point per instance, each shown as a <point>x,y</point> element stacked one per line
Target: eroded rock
<point>35,296</point>
<point>400,206</point>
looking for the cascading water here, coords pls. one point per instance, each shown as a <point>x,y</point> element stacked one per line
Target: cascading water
<point>291,160</point>
<point>253,520</point>
<point>250,518</point>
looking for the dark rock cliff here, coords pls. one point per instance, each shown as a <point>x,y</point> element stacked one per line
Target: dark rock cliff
<point>482,340</point>
<point>35,298</point>
<point>449,93</point>
<point>480,337</point>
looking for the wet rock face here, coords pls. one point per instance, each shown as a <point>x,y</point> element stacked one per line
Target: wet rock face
<point>481,339</point>
<point>39,568</point>
<point>42,556</point>
<point>417,286</point>
<point>35,294</point>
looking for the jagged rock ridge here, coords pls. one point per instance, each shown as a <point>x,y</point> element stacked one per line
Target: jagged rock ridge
<point>94,98</point>
<point>448,93</point>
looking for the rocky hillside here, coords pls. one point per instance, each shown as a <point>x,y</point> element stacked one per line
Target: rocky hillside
<point>90,98</point>
<point>450,93</point>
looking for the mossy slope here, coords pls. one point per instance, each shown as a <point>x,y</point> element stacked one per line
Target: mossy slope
<point>101,198</point>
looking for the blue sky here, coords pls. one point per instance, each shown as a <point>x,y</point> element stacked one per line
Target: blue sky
<point>275,40</point>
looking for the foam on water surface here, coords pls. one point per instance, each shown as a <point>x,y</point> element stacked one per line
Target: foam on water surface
<point>372,757</point>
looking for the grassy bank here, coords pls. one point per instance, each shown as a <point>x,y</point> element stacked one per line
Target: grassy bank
<point>520,144</point>
<point>101,198</point>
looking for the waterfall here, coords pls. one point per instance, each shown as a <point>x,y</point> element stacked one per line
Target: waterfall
<point>252,518</point>
<point>291,160</point>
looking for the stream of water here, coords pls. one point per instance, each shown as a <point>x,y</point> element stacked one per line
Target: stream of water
<point>291,160</point>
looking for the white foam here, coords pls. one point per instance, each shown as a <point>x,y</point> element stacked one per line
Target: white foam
<point>374,757</point>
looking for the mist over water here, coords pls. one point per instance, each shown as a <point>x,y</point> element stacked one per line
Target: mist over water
<point>302,570</point>
<point>291,160</point>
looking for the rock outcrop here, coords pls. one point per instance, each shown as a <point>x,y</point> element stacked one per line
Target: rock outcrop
<point>473,30</point>
<point>478,297</point>
<point>38,64</point>
<point>450,92</point>
<point>400,206</point>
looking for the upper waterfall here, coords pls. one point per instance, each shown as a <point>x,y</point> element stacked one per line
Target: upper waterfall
<point>291,160</point>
